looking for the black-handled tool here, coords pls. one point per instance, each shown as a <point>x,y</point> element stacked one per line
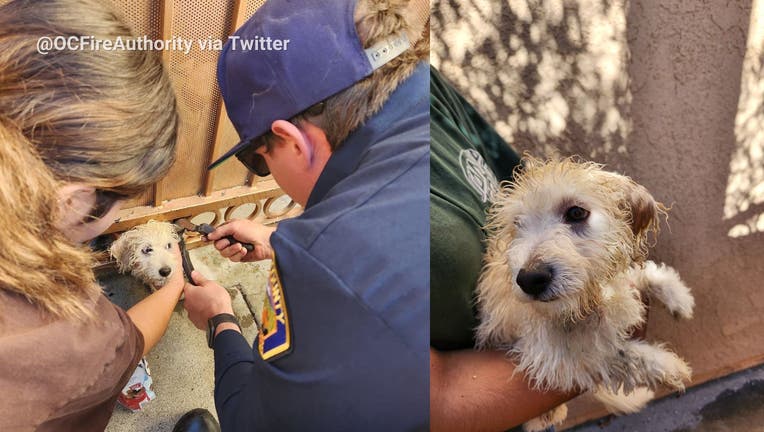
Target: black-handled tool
<point>206,229</point>
<point>188,267</point>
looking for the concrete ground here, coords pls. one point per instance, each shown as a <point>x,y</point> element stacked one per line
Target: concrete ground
<point>181,364</point>
<point>730,404</point>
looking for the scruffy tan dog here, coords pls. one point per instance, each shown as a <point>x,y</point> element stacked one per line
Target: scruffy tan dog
<point>560,291</point>
<point>146,252</point>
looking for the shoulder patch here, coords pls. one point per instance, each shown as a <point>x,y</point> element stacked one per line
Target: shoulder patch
<point>275,337</point>
<point>478,175</point>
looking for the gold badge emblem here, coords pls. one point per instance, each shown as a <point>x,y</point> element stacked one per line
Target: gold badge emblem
<point>274,338</point>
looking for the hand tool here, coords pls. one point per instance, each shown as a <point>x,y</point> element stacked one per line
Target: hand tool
<point>206,229</point>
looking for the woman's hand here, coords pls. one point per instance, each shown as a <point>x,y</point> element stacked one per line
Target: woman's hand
<point>152,314</point>
<point>176,280</point>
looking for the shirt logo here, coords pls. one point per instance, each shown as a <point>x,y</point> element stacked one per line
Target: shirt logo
<point>275,336</point>
<point>478,175</point>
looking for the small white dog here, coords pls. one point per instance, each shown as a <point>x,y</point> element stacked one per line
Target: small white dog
<point>561,287</point>
<point>145,251</point>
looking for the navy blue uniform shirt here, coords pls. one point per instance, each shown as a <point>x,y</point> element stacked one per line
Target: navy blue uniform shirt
<point>351,296</point>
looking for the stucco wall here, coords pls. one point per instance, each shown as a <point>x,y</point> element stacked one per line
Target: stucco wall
<point>652,89</point>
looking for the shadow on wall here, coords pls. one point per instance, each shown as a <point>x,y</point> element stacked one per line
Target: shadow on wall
<point>554,81</point>
<point>744,201</point>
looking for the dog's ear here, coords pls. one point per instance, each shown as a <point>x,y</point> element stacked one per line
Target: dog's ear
<point>642,207</point>
<point>177,228</point>
<point>119,251</point>
<point>636,201</point>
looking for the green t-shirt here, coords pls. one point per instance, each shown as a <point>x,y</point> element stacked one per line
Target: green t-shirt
<point>467,160</point>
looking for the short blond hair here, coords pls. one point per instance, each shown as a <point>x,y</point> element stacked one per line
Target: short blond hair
<point>375,20</point>
<point>107,119</point>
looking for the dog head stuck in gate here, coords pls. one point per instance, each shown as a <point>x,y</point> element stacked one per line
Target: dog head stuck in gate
<point>146,252</point>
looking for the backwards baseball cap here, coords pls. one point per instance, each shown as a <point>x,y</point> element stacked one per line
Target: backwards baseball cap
<point>289,56</point>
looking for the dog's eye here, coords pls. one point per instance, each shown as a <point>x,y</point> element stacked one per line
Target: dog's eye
<point>147,250</point>
<point>576,214</point>
<point>169,246</point>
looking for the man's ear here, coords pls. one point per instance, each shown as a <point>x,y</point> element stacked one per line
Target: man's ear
<point>293,138</point>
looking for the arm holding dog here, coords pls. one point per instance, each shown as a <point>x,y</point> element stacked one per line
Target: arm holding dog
<point>152,314</point>
<point>477,390</point>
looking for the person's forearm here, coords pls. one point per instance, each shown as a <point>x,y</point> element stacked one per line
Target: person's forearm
<point>476,391</point>
<point>265,241</point>
<point>152,314</point>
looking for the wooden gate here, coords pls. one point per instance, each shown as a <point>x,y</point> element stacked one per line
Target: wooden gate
<point>205,132</point>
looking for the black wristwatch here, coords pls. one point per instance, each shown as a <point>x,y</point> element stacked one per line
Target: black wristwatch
<point>213,323</point>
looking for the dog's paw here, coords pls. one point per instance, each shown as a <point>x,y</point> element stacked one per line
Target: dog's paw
<point>667,286</point>
<point>682,304</point>
<point>620,402</point>
<point>653,365</point>
<point>553,417</point>
<point>668,368</point>
<point>677,373</point>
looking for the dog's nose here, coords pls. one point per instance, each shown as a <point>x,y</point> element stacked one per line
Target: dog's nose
<point>165,271</point>
<point>535,281</point>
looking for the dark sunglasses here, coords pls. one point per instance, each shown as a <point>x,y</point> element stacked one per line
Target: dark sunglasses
<point>255,161</point>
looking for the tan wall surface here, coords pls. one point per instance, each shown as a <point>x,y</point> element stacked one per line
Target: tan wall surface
<point>652,89</point>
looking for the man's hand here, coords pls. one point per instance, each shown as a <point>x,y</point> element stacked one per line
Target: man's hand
<point>205,300</point>
<point>246,231</point>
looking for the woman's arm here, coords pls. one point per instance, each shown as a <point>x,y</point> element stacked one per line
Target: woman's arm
<point>152,314</point>
<point>476,391</point>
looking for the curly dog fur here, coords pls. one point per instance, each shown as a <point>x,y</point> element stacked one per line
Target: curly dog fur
<point>562,283</point>
<point>145,251</point>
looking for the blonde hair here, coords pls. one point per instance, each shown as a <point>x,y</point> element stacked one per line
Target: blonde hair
<point>342,113</point>
<point>375,20</point>
<point>36,259</point>
<point>106,119</point>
